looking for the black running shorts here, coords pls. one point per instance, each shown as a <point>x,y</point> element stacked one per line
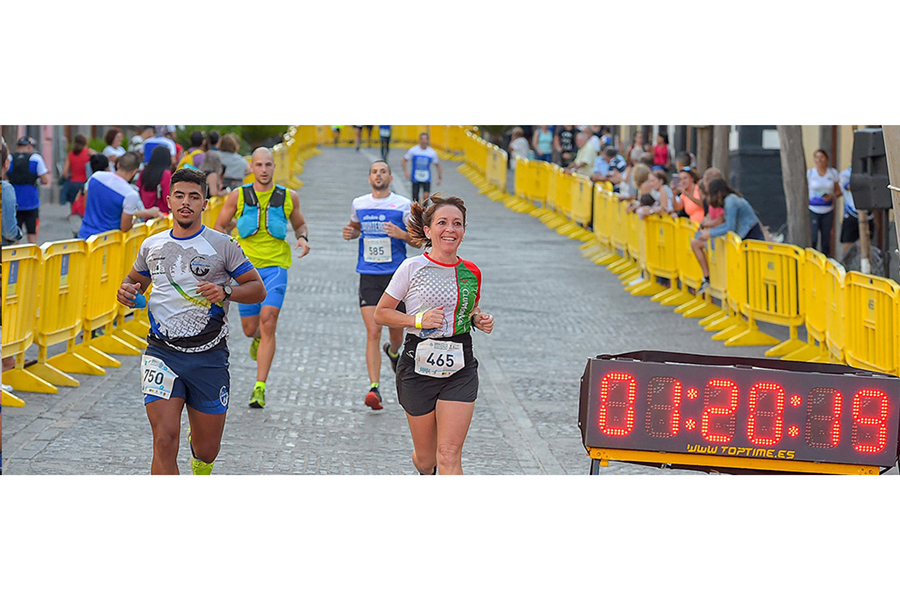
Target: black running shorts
<point>371,288</point>
<point>29,220</point>
<point>419,394</point>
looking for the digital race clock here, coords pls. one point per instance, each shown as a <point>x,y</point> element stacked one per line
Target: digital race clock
<point>738,413</point>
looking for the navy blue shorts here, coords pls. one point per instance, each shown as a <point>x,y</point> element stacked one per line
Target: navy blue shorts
<point>203,379</point>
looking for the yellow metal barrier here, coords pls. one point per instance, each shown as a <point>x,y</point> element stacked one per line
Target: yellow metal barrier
<point>581,197</point>
<point>835,301</point>
<point>689,274</point>
<point>814,309</point>
<point>104,271</point>
<point>133,331</point>
<point>659,260</point>
<point>21,282</point>
<point>773,294</point>
<point>62,311</point>
<point>871,322</point>
<point>717,261</point>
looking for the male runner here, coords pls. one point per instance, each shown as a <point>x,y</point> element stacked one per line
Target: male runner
<point>186,361</point>
<point>379,220</point>
<point>263,210</point>
<point>422,156</point>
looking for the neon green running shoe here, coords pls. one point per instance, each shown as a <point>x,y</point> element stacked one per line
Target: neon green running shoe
<point>258,398</point>
<point>254,346</point>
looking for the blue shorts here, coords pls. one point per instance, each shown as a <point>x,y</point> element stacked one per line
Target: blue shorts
<point>275,279</point>
<point>203,379</point>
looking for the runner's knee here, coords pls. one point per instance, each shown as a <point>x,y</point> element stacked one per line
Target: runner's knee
<point>267,324</point>
<point>449,453</point>
<point>165,440</point>
<point>249,327</point>
<point>207,450</point>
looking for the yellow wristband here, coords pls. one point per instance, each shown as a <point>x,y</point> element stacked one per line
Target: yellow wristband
<point>419,320</point>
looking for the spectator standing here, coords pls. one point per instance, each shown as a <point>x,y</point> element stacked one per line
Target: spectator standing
<point>74,171</point>
<point>692,205</point>
<point>236,167</point>
<point>518,147</point>
<point>26,168</point>
<point>213,167</point>
<point>157,140</point>
<point>542,142</point>
<point>11,232</point>
<point>112,203</point>
<point>636,149</point>
<point>661,192</point>
<point>564,143</point>
<point>114,149</point>
<point>662,157</point>
<point>584,160</point>
<point>194,156</point>
<point>137,142</point>
<point>593,132</point>
<point>610,166</point>
<point>824,186</point>
<point>850,226</point>
<point>154,181</point>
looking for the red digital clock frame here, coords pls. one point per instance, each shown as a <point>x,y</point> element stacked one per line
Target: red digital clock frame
<point>724,412</point>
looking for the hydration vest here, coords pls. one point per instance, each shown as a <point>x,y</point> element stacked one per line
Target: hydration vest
<point>19,171</point>
<point>248,222</point>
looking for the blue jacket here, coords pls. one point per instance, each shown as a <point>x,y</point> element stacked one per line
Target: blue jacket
<point>739,217</point>
<point>11,232</point>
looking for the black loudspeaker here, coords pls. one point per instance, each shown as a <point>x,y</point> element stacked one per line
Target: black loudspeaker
<point>869,177</point>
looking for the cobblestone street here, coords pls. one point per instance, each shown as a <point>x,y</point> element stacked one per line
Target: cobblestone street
<point>553,310</point>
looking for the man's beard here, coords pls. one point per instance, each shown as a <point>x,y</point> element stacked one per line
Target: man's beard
<point>382,187</point>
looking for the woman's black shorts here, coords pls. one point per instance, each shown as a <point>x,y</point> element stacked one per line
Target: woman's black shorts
<point>419,394</point>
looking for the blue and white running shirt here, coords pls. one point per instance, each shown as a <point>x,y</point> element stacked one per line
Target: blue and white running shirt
<point>421,162</point>
<point>380,254</point>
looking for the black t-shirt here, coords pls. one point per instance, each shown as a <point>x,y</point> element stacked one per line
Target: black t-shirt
<point>566,139</point>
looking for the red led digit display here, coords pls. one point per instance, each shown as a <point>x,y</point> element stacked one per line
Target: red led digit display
<point>823,418</point>
<point>870,401</point>
<point>743,408</point>
<point>613,396</point>
<point>663,401</point>
<point>764,426</point>
<point>717,422</point>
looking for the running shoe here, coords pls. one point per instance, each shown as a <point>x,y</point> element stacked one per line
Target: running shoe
<point>393,359</point>
<point>254,346</point>
<point>703,287</point>
<point>258,398</point>
<point>373,399</point>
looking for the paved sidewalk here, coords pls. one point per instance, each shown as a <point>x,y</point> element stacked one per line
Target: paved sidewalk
<point>553,310</point>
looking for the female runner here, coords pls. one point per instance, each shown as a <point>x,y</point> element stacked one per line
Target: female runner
<point>437,375</point>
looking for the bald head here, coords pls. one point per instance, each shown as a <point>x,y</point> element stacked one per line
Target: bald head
<point>262,165</point>
<point>262,152</point>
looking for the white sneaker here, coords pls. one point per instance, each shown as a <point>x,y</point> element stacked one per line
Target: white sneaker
<point>703,287</point>
<point>6,388</point>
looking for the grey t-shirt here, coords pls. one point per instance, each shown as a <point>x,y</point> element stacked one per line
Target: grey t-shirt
<point>181,319</point>
<point>235,165</point>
